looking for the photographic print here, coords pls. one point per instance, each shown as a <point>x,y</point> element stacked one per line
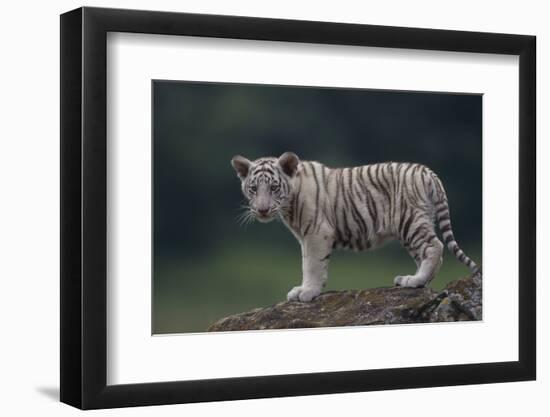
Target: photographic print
<point>329,185</point>
<point>279,207</point>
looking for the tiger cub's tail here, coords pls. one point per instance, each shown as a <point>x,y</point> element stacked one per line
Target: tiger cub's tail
<point>443,217</point>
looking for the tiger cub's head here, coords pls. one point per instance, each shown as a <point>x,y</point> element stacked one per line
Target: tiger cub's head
<point>266,183</point>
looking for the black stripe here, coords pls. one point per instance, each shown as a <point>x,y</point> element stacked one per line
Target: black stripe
<point>385,192</point>
<point>344,209</point>
<point>393,190</point>
<point>360,178</point>
<point>371,180</point>
<point>419,233</point>
<point>348,195</point>
<point>406,226</point>
<point>419,244</point>
<point>346,226</point>
<point>326,258</point>
<point>371,207</point>
<point>402,216</point>
<point>291,212</point>
<point>307,228</point>
<point>317,192</point>
<point>375,186</point>
<point>383,187</point>
<point>339,237</point>
<point>443,217</point>
<point>362,225</point>
<point>346,204</point>
<point>404,208</point>
<point>300,216</point>
<point>336,200</point>
<point>399,178</point>
<point>296,198</point>
<point>446,228</point>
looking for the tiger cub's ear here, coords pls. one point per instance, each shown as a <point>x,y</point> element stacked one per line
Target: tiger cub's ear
<point>241,165</point>
<point>289,163</point>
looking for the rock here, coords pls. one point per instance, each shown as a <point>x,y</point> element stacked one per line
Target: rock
<point>463,301</point>
<point>460,300</point>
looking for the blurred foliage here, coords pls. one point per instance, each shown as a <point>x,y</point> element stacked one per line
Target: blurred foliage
<point>206,266</point>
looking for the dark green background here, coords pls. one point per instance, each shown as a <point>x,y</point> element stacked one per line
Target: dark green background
<point>206,266</point>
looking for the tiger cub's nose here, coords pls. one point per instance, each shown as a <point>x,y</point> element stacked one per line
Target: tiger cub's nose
<point>263,211</point>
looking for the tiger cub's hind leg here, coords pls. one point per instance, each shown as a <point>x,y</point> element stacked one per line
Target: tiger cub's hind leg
<point>427,251</point>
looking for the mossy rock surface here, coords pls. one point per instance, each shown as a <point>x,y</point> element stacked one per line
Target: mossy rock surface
<point>460,300</point>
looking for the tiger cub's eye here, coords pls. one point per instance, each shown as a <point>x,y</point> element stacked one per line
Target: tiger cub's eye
<point>253,188</point>
<point>274,187</point>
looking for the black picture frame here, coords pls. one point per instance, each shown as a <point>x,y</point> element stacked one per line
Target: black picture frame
<point>84,197</point>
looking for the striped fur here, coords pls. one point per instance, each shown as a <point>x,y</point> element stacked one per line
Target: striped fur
<point>355,208</point>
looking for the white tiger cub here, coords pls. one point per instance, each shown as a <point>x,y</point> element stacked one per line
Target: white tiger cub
<point>357,208</point>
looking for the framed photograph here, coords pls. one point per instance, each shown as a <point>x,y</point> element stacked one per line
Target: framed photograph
<point>257,208</point>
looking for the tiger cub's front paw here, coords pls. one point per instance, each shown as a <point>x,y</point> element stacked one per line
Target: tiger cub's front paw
<point>302,294</point>
<point>410,281</point>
